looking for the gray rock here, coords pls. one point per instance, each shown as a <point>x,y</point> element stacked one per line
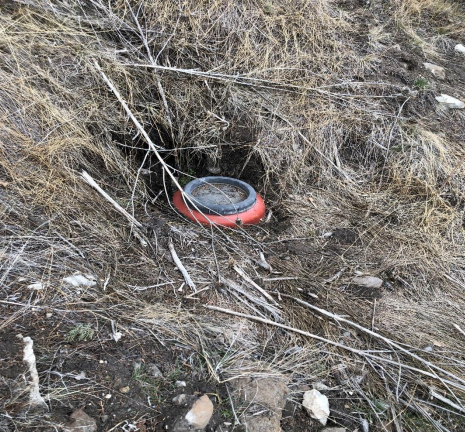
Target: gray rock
<point>365,425</point>
<point>368,281</point>
<point>79,421</point>
<point>154,370</point>
<point>268,392</point>
<point>437,71</point>
<point>317,405</point>
<point>269,422</point>
<point>180,399</point>
<point>334,429</point>
<point>450,102</point>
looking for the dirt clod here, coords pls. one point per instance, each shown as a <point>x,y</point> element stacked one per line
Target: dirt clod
<point>265,395</point>
<point>80,422</point>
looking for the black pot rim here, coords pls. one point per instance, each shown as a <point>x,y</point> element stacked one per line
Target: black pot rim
<point>221,209</point>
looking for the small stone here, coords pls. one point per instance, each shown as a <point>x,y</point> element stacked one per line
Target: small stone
<point>117,336</point>
<point>317,405</point>
<point>450,102</point>
<point>180,399</point>
<point>268,422</point>
<point>437,71</point>
<point>320,386</point>
<point>48,315</point>
<point>80,376</point>
<point>334,429</point>
<point>36,286</point>
<point>200,413</point>
<point>108,396</point>
<point>124,390</point>
<point>79,421</point>
<point>460,48</point>
<point>154,370</point>
<point>78,279</point>
<point>179,384</point>
<point>368,281</point>
<point>365,425</point>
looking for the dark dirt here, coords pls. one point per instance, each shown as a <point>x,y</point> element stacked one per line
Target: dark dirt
<point>362,292</point>
<point>219,194</point>
<point>110,368</point>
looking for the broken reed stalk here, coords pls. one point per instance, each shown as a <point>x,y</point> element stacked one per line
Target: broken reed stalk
<point>375,335</point>
<point>258,301</point>
<point>91,182</point>
<point>272,85</point>
<point>181,267</point>
<point>149,54</point>
<point>364,354</point>
<point>241,273</point>
<point>152,146</point>
<point>135,224</point>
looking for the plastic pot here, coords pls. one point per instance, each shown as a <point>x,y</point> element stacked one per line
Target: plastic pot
<point>221,201</point>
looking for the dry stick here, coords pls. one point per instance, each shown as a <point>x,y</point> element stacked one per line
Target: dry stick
<point>150,143</point>
<point>181,268</point>
<point>376,335</point>
<point>160,88</point>
<point>91,182</point>
<point>191,296</point>
<point>131,115</point>
<point>361,353</point>
<point>251,81</point>
<point>260,302</point>
<point>447,401</point>
<point>283,278</point>
<point>251,282</point>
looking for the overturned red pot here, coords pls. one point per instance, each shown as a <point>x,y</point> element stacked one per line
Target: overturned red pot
<point>220,201</point>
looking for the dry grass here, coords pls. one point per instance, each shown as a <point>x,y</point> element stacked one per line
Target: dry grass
<point>286,95</point>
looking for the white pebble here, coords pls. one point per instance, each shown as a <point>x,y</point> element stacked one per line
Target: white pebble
<point>450,102</point>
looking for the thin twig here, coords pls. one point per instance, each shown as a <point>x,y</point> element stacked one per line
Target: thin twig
<point>91,182</point>
<point>378,336</point>
<point>365,354</point>
<point>241,273</point>
<point>180,266</point>
<point>152,61</point>
<point>258,301</point>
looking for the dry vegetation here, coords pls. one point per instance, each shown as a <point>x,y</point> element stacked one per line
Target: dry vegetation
<point>316,103</point>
